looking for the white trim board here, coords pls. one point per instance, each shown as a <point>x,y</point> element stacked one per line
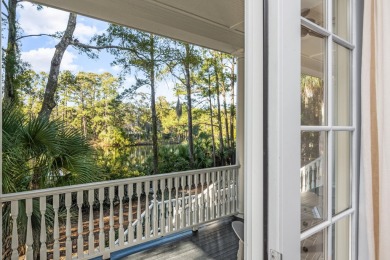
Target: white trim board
<point>253,160</point>
<point>284,127</point>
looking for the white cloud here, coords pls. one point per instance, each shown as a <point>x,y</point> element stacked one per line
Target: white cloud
<point>116,68</point>
<point>40,59</point>
<point>47,20</point>
<point>50,20</point>
<point>84,32</point>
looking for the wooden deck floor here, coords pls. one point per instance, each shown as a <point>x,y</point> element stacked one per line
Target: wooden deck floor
<point>215,240</point>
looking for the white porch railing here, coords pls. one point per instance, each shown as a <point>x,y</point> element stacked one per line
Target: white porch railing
<point>86,221</point>
<point>312,175</point>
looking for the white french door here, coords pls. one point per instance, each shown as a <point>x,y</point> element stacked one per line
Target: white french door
<point>312,129</point>
<point>328,130</point>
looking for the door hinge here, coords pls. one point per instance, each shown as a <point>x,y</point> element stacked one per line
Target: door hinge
<point>274,255</point>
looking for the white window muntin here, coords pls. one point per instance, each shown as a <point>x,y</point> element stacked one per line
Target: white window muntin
<point>330,128</point>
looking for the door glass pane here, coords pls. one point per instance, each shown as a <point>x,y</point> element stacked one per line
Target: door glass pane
<point>342,85</point>
<point>313,179</point>
<point>314,10</point>
<point>341,239</point>
<point>341,18</point>
<point>314,247</point>
<point>342,172</point>
<point>313,89</point>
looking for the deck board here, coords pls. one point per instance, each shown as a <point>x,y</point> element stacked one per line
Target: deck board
<point>215,240</point>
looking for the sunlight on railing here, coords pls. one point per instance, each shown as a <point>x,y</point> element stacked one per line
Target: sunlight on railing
<point>86,221</point>
<point>312,175</point>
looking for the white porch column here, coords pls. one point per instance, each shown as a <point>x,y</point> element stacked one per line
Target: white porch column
<point>240,130</point>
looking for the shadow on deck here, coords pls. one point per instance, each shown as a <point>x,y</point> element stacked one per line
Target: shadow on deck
<point>215,240</point>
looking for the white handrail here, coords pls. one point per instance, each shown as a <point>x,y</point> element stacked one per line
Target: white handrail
<point>105,184</point>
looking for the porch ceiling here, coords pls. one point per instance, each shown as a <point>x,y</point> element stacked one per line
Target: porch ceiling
<point>217,24</point>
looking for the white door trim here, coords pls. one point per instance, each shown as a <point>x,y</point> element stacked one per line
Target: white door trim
<point>284,127</point>
<point>253,160</point>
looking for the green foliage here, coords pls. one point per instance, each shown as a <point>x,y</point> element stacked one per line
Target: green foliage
<point>203,151</point>
<point>122,162</point>
<point>173,158</point>
<point>91,103</point>
<point>312,107</point>
<point>312,100</point>
<point>41,154</point>
<point>115,119</point>
<point>113,137</point>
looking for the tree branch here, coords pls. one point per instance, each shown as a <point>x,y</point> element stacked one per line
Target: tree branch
<point>4,14</point>
<point>174,75</point>
<point>86,46</point>
<point>6,6</point>
<point>76,43</point>
<point>178,78</point>
<point>35,35</point>
<point>138,54</point>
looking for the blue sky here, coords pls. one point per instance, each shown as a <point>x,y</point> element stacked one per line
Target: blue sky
<point>38,51</point>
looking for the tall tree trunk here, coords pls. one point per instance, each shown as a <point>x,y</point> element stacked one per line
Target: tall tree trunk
<point>10,55</point>
<point>212,123</point>
<point>189,105</point>
<point>232,105</point>
<point>221,146</point>
<point>48,101</point>
<point>226,115</point>
<point>153,106</point>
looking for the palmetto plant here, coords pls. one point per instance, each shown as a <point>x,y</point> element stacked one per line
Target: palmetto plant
<point>39,153</point>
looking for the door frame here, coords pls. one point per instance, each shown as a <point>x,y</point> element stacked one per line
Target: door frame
<point>253,130</point>
<point>275,58</point>
<point>284,117</point>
